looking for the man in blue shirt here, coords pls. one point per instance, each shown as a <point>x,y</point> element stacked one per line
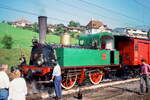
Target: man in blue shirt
<point>56,76</point>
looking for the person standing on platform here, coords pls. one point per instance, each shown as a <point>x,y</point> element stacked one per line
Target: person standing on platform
<point>4,82</point>
<point>56,76</point>
<point>144,79</point>
<point>18,87</point>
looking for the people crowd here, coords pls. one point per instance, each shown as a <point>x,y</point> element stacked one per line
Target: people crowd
<point>15,89</point>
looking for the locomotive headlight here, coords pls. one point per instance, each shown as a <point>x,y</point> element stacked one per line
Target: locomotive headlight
<point>39,62</point>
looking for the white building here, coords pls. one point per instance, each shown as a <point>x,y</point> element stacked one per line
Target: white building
<point>137,33</point>
<point>21,23</point>
<point>96,27</point>
<point>75,29</point>
<point>52,28</point>
<point>130,32</point>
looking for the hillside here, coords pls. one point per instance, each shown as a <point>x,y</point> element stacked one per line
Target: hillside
<point>22,43</point>
<point>11,56</point>
<point>22,38</point>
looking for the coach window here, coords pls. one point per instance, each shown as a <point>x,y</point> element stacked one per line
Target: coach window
<point>81,42</point>
<point>136,47</point>
<point>95,44</point>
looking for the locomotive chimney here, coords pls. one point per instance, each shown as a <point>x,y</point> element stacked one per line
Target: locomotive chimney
<point>42,28</point>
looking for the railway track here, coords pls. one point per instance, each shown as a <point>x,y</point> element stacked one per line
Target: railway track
<point>88,88</point>
<point>107,96</point>
<point>103,84</point>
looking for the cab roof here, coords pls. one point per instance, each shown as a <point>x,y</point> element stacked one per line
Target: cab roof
<point>95,36</point>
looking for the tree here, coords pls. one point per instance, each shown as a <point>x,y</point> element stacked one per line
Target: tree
<point>75,34</point>
<point>35,27</point>
<point>7,41</point>
<point>73,24</point>
<point>3,21</point>
<point>60,29</point>
<point>28,28</point>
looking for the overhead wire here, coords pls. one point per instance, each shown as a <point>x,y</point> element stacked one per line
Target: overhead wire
<point>90,12</point>
<point>58,19</point>
<point>112,11</point>
<point>144,6</point>
<point>86,10</point>
<point>62,10</point>
<point>29,13</point>
<point>141,4</point>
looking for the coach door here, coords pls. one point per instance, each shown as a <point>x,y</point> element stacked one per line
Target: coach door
<point>143,51</point>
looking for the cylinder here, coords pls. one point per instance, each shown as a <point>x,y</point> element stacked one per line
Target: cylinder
<point>65,39</point>
<point>42,28</point>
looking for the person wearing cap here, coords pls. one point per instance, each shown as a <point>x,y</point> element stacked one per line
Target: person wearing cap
<point>18,87</point>
<point>4,82</point>
<point>22,60</point>
<point>144,78</point>
<point>56,76</point>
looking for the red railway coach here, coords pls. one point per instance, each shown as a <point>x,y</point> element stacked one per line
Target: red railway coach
<point>132,50</point>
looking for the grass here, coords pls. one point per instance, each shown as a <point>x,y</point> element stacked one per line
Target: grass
<point>22,38</point>
<point>11,56</point>
<point>21,43</point>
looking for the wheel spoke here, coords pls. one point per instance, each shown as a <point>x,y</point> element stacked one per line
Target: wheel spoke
<point>68,82</point>
<point>95,77</point>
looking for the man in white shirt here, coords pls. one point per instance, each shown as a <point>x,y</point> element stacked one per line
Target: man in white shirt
<point>4,82</point>
<point>56,76</point>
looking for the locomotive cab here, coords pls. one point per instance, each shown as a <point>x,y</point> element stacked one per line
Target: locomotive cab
<point>102,42</point>
<point>98,41</point>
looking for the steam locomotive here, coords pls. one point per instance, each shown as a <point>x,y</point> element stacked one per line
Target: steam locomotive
<point>95,57</point>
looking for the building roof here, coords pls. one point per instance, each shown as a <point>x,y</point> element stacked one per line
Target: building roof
<point>95,36</point>
<point>75,28</point>
<point>95,24</point>
<point>127,37</point>
<point>23,21</point>
<point>51,26</point>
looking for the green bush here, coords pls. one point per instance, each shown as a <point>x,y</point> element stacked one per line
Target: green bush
<point>7,41</point>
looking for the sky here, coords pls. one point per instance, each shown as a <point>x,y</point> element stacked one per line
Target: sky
<point>113,13</point>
